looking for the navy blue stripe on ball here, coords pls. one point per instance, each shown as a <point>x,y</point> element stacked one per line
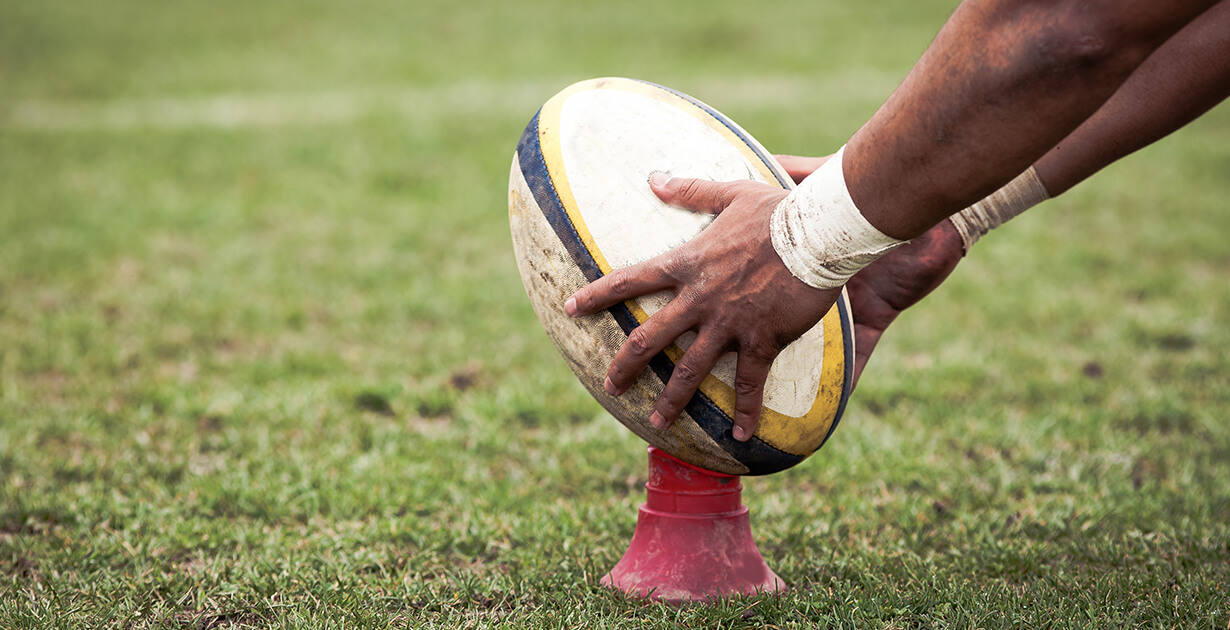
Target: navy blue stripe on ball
<point>534,169</point>
<point>756,454</point>
<point>760,457</point>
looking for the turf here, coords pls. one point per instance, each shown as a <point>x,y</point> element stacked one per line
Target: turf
<point>265,359</point>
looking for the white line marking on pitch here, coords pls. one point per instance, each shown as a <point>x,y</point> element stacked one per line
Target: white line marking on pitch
<point>425,104</point>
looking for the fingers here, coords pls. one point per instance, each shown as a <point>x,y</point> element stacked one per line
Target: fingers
<point>751,373</point>
<point>644,343</point>
<point>617,286</point>
<point>800,167</point>
<point>694,194</point>
<point>695,365</point>
<point>713,277</point>
<point>865,340</point>
<point>882,290</point>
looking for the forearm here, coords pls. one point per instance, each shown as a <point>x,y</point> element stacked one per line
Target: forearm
<point>1002,83</point>
<point>1184,78</point>
<point>1181,80</point>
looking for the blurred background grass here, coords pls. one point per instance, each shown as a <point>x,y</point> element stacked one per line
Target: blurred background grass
<point>265,358</point>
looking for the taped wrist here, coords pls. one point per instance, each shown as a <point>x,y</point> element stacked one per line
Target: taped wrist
<point>820,234</point>
<point>1017,196</point>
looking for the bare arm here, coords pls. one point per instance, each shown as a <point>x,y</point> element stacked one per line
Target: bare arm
<point>1184,78</point>
<point>1002,83</point>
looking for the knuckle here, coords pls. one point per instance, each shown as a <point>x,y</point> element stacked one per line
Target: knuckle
<point>620,284</point>
<point>686,373</point>
<point>688,189</point>
<point>638,342</point>
<point>620,378</point>
<point>746,388</point>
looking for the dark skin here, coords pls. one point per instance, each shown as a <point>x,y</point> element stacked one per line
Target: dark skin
<point>1186,77</point>
<point>1183,79</point>
<point>895,282</point>
<point>1003,83</point>
<point>888,286</point>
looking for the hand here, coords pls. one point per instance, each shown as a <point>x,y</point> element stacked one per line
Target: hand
<point>798,168</point>
<point>730,287</point>
<point>895,282</point>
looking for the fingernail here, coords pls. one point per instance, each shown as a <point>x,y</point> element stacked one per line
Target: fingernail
<point>656,420</point>
<point>570,307</point>
<point>609,387</point>
<point>739,433</point>
<point>659,179</point>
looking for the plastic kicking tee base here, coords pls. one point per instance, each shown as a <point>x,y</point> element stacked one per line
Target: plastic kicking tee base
<point>693,539</point>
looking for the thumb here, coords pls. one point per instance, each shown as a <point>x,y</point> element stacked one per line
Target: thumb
<point>692,194</point>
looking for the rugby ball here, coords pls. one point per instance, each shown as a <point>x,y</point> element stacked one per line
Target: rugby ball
<point>580,206</point>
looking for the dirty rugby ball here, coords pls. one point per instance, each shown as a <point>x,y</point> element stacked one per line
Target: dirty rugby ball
<point>580,206</point>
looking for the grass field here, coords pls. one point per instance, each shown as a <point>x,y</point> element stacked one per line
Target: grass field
<point>265,359</point>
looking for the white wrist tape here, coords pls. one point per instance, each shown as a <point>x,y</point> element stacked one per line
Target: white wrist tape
<point>820,234</point>
<point>1017,196</point>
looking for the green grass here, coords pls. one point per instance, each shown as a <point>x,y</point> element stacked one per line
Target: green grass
<point>265,359</point>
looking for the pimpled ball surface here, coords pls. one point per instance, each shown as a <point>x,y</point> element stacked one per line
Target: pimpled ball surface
<point>580,206</point>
